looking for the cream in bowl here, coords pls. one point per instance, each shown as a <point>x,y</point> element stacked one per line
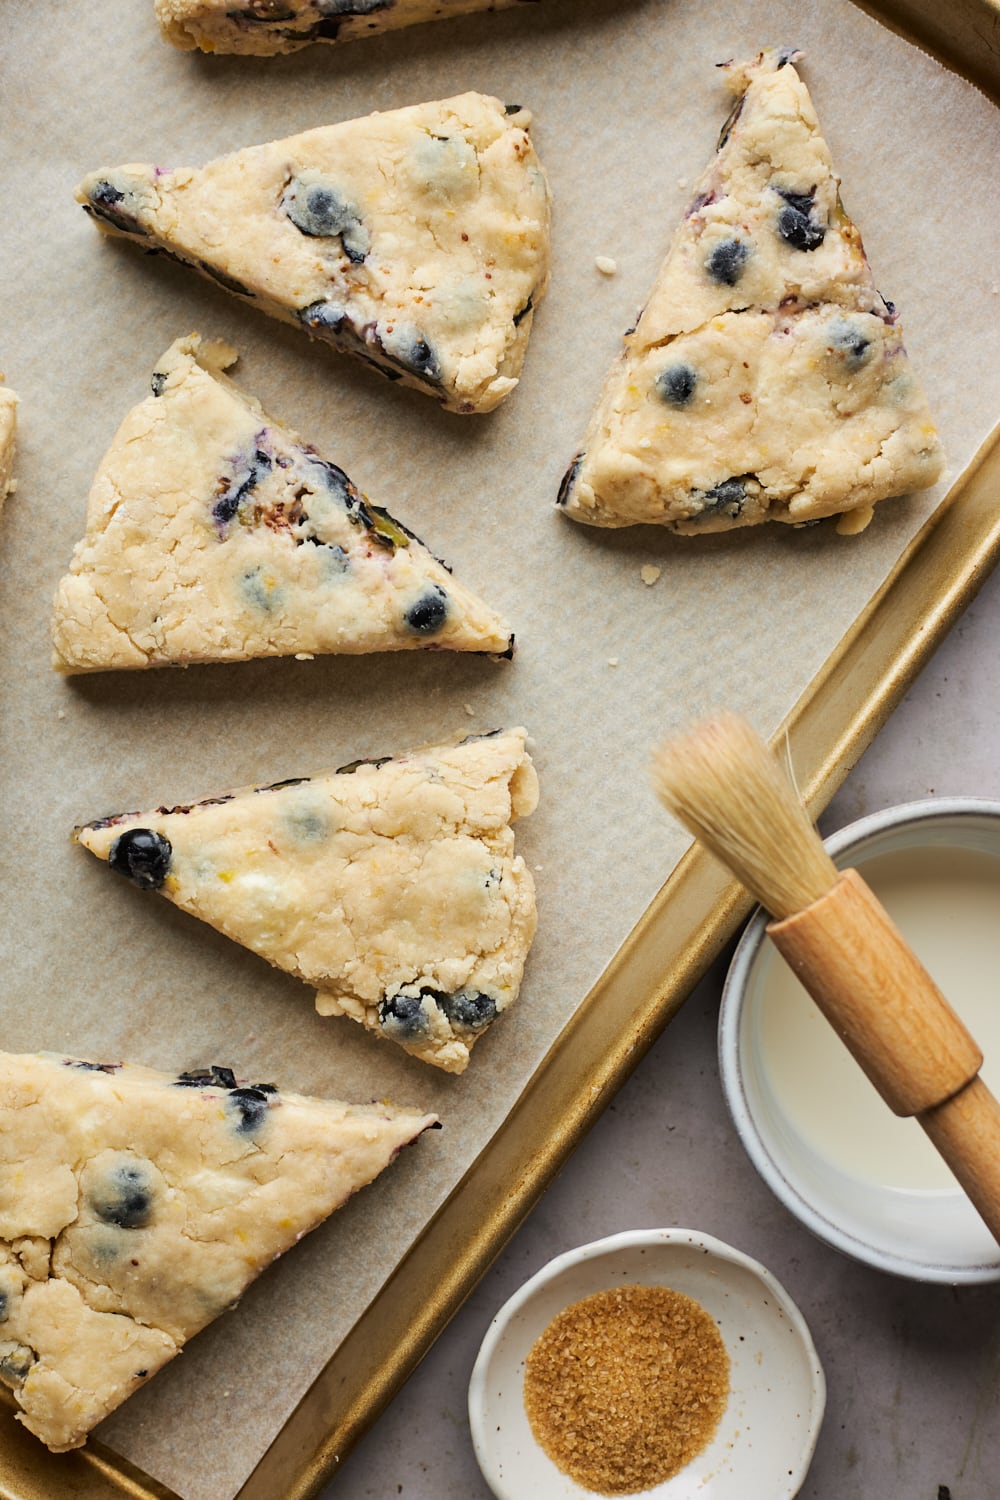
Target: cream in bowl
<point>867,1182</point>
<point>730,1340</point>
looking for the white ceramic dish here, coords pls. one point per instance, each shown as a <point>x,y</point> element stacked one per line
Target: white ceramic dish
<point>767,1434</point>
<point>926,1234</point>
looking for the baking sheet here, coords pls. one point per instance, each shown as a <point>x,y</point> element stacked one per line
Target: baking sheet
<point>627,110</point>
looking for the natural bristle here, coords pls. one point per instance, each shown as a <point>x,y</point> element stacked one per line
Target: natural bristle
<point>724,784</point>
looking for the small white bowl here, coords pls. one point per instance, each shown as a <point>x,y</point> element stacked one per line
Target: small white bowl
<point>915,1223</point>
<point>765,1440</point>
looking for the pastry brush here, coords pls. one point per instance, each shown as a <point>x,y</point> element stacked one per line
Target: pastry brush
<point>726,786</point>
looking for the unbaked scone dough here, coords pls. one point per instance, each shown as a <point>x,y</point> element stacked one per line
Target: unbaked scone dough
<point>391,886</point>
<point>766,378</point>
<point>8,432</point>
<point>216,534</point>
<point>417,239</point>
<point>135,1206</point>
<point>266,27</point>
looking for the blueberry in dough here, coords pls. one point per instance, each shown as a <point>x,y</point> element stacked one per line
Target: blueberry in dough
<point>108,202</point>
<point>317,209</point>
<point>468,1010</point>
<point>429,613</point>
<point>848,341</point>
<point>252,1106</point>
<point>403,1016</point>
<point>125,1198</point>
<point>676,384</point>
<point>796,224</point>
<point>322,317</point>
<point>142,856</point>
<point>726,262</point>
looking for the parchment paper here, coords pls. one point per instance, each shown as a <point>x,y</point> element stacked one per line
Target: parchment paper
<point>627,108</point>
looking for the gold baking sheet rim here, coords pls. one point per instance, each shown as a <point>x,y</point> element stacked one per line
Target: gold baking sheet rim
<point>695,913</point>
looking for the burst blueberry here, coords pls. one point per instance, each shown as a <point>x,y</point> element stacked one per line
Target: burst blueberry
<point>142,856</point>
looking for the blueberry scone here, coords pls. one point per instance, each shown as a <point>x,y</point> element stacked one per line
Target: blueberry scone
<point>266,27</point>
<point>416,239</point>
<point>216,534</point>
<point>136,1206</point>
<point>766,378</point>
<point>391,886</point>
<point>8,430</point>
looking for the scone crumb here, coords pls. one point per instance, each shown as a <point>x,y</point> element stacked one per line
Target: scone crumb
<point>304,656</point>
<point>606,265</point>
<point>612,661</point>
<point>649,574</point>
<point>470,710</point>
<point>852,522</point>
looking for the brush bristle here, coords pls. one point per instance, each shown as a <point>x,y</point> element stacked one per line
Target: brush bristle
<point>723,783</point>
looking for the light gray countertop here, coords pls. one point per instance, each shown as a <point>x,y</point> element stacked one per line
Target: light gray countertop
<point>913,1372</point>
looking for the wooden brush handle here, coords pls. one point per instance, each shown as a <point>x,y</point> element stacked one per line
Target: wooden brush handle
<point>851,957</point>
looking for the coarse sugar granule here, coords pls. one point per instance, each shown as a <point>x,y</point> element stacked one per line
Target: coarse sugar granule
<point>625,1387</point>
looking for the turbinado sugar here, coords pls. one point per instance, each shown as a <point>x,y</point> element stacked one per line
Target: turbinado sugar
<point>625,1387</point>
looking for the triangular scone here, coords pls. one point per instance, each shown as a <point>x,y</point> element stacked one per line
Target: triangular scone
<point>391,886</point>
<point>136,1206</point>
<point>766,379</point>
<point>417,239</point>
<point>8,431</point>
<point>265,27</point>
<point>215,534</point>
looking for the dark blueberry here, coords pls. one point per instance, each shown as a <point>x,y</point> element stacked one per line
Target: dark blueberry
<point>726,498</point>
<point>106,203</point>
<point>158,382</point>
<point>317,210</point>
<point>277,786</point>
<point>4,1308</point>
<point>512,109</point>
<point>252,1106</point>
<point>142,856</point>
<point>91,1067</point>
<point>414,354</point>
<point>339,485</point>
<point>403,1015</point>
<point>224,1077</point>
<point>14,1366</point>
<point>796,224</point>
<point>229,283</point>
<point>352,765</point>
<point>676,384</point>
<point>248,475</point>
<point>726,262</point>
<point>847,339</point>
<point>469,1010</point>
<point>265,1088</point>
<point>322,317</point>
<point>141,1374</point>
<point>519,317</point>
<point>199,1080</point>
<point>126,1198</point>
<point>569,479</point>
<point>428,614</point>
